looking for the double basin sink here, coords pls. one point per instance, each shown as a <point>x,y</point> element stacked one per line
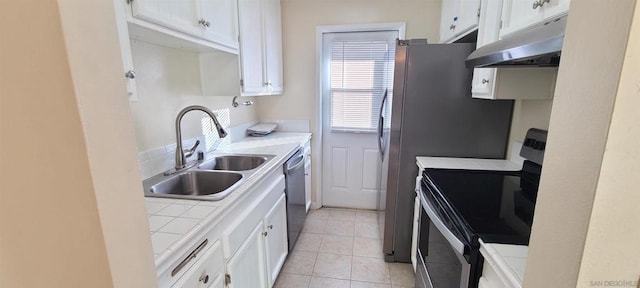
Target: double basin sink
<point>212,180</point>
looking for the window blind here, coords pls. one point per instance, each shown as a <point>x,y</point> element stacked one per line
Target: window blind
<point>360,71</point>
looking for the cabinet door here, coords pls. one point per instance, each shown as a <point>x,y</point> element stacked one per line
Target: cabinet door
<point>251,56</point>
<point>556,8</point>
<point>307,183</point>
<point>218,282</point>
<point>222,16</point>
<point>276,240</point>
<point>414,235</point>
<point>125,48</point>
<point>448,19</point>
<point>468,16</point>
<point>519,14</point>
<point>273,46</point>
<point>488,30</point>
<point>177,15</point>
<point>307,175</point>
<point>246,269</point>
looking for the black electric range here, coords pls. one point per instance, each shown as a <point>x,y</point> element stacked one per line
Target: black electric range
<point>460,207</point>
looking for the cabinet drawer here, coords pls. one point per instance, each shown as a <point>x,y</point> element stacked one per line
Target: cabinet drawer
<point>207,270</point>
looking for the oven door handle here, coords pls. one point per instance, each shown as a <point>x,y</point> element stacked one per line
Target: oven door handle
<point>455,243</point>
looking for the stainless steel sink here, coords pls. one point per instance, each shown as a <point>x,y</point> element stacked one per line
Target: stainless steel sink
<point>211,180</point>
<point>200,185</point>
<point>235,162</point>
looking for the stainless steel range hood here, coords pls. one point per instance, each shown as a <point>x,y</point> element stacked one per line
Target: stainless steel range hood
<point>539,46</point>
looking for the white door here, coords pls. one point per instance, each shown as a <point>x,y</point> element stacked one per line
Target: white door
<point>246,268</point>
<point>358,67</point>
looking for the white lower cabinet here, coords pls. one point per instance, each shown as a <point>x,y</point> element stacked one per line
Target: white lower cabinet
<point>255,241</point>
<point>207,272</point>
<point>246,269</point>
<point>276,238</point>
<point>307,174</point>
<point>244,249</point>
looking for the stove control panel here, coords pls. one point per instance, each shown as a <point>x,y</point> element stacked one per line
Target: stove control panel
<point>534,145</point>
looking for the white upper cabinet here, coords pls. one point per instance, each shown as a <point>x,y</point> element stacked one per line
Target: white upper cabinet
<point>220,18</point>
<point>128,71</point>
<point>273,46</point>
<point>458,18</point>
<point>251,55</point>
<point>507,83</point>
<point>260,47</point>
<point>522,14</point>
<point>489,26</point>
<point>178,15</point>
<point>200,25</point>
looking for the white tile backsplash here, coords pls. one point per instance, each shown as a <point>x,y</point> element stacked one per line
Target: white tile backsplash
<point>158,160</point>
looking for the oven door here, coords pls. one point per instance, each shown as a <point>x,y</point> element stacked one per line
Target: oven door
<point>441,261</point>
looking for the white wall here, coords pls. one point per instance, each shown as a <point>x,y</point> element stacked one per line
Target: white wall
<point>611,250</point>
<point>168,80</point>
<point>71,209</point>
<point>299,21</point>
<point>587,84</point>
<point>528,114</point>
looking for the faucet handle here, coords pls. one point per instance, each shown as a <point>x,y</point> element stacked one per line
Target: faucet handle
<point>189,152</point>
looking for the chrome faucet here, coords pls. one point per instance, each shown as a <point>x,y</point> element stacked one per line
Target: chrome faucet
<point>180,153</point>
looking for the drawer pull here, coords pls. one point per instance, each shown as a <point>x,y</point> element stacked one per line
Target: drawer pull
<point>189,257</point>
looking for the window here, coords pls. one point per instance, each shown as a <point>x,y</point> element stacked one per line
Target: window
<point>361,69</point>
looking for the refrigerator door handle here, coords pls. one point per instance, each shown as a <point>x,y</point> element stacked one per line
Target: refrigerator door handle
<point>381,124</point>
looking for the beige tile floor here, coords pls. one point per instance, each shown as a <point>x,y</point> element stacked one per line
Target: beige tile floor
<point>341,248</point>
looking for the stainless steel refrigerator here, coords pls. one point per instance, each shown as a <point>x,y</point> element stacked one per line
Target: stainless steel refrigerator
<point>431,114</point>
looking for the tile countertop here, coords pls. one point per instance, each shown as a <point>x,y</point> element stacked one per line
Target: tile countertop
<point>508,261</point>
<point>467,164</point>
<point>174,222</point>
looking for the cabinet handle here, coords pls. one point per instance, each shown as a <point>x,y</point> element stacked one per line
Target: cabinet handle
<point>189,257</point>
<point>204,23</point>
<point>270,227</point>
<point>537,4</point>
<point>130,74</point>
<point>204,279</point>
<point>485,81</point>
<point>265,233</point>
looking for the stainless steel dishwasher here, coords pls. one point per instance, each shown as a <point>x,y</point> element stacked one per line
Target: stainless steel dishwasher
<point>296,209</point>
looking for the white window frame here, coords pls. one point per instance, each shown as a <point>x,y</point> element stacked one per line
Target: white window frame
<point>320,30</point>
<point>327,62</point>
